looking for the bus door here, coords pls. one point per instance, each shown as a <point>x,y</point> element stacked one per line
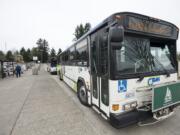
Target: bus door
<point>99,77</point>
<point>94,70</point>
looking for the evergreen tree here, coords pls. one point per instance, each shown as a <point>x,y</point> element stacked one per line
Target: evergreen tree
<point>81,30</point>
<point>34,51</point>
<point>2,55</point>
<point>87,27</point>
<point>22,51</point>
<point>9,56</point>
<point>27,56</point>
<point>16,52</point>
<point>43,48</point>
<point>53,53</point>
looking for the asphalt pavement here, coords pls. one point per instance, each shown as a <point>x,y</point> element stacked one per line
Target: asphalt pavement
<point>43,105</point>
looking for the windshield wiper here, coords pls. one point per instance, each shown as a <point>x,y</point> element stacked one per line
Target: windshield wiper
<point>141,77</point>
<point>165,70</point>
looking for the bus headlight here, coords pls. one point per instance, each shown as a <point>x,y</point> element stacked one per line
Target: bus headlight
<point>130,106</point>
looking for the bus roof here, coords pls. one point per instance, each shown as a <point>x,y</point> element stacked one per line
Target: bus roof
<point>112,17</point>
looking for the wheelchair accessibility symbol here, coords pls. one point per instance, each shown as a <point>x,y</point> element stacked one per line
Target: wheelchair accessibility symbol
<point>122,86</point>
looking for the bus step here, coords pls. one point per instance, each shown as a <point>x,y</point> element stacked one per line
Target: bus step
<point>97,110</point>
<point>104,116</point>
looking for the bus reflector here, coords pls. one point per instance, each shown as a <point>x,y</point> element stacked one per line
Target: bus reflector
<point>115,107</point>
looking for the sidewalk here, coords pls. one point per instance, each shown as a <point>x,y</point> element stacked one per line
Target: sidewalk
<point>13,93</point>
<point>36,105</point>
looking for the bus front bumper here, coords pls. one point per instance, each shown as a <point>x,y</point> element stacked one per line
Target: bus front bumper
<point>54,72</point>
<point>129,118</point>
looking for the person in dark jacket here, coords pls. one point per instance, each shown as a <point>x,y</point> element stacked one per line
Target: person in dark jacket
<point>18,71</point>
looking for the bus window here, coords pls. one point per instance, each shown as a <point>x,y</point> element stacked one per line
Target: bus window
<point>81,53</point>
<point>72,54</point>
<point>66,56</point>
<point>94,65</point>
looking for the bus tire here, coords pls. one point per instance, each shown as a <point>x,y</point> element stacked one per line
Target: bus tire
<point>82,93</point>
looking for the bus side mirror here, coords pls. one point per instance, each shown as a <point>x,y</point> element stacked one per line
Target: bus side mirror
<point>116,34</point>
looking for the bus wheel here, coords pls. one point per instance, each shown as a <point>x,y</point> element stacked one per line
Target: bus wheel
<point>82,94</point>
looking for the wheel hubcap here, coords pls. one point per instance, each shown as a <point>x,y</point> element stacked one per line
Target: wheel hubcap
<point>82,93</point>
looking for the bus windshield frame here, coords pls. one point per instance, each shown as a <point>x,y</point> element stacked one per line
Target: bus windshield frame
<point>137,56</point>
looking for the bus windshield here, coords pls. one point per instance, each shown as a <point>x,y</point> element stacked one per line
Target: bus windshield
<point>140,55</point>
<point>53,62</point>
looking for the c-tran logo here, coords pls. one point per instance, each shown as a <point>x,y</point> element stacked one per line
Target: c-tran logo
<point>168,96</point>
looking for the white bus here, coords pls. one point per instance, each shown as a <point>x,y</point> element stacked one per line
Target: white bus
<point>52,67</point>
<point>125,68</point>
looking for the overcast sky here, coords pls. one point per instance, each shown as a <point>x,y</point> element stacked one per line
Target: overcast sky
<point>22,22</point>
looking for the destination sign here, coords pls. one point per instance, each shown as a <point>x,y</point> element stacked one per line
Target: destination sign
<point>149,26</point>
